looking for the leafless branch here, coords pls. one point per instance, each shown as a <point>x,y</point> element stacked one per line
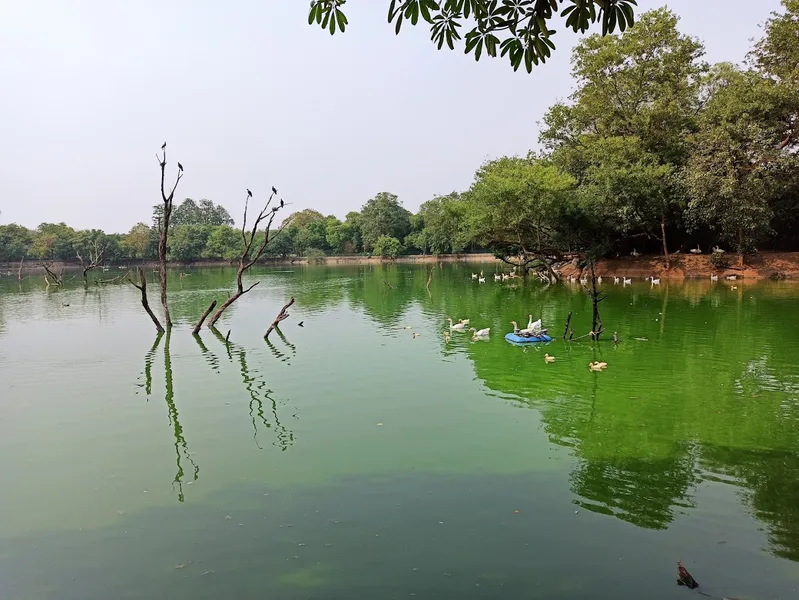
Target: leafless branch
<point>281,316</point>
<point>57,279</point>
<point>163,227</point>
<point>249,256</point>
<point>199,324</point>
<point>142,287</point>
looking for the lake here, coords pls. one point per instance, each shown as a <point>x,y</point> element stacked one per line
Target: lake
<point>349,459</point>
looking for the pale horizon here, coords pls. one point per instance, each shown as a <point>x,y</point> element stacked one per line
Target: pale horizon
<point>250,96</point>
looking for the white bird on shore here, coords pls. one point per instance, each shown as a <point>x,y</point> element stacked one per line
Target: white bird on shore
<point>628,280</point>
<point>718,250</point>
<point>696,250</point>
<point>458,327</point>
<point>635,253</point>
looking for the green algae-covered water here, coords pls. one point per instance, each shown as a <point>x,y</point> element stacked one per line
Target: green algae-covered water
<point>349,459</point>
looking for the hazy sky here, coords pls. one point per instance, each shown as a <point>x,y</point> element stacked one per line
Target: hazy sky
<point>248,95</point>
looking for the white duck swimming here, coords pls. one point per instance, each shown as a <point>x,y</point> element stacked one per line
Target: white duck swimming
<point>478,333</point>
<point>458,327</point>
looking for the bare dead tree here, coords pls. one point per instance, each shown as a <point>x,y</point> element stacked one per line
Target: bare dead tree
<point>142,287</point>
<point>163,227</point>
<point>250,256</point>
<point>596,297</point>
<point>198,326</point>
<point>95,259</point>
<point>53,271</point>
<point>281,316</point>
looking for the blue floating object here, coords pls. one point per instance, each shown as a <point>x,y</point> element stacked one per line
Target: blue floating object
<point>533,339</point>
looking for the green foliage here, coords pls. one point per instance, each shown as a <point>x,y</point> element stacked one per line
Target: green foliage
<point>383,215</point>
<point>136,243</point>
<point>515,206</point>
<point>205,212</point>
<point>720,260</point>
<point>187,242</point>
<point>520,30</point>
<point>388,247</point>
<point>315,256</point>
<point>737,168</point>
<point>224,243</point>
<point>54,241</point>
<point>15,242</point>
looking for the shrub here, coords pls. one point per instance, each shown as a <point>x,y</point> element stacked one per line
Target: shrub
<point>777,276</point>
<point>720,260</point>
<point>388,247</point>
<point>315,256</point>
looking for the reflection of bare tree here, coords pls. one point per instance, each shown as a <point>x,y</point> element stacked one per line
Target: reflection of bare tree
<point>258,391</point>
<point>210,357</point>
<point>148,366</point>
<point>181,446</point>
<point>180,440</point>
<point>278,353</point>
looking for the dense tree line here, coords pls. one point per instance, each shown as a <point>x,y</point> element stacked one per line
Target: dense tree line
<point>655,150</point>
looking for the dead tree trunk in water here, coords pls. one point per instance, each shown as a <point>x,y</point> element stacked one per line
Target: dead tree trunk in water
<point>596,297</point>
<point>282,315</point>
<point>199,324</point>
<point>94,260</point>
<point>246,261</point>
<point>56,278</point>
<point>568,321</point>
<point>163,228</point>
<point>142,287</point>
<point>19,271</point>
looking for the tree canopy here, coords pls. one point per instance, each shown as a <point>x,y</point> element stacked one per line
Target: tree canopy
<point>521,30</point>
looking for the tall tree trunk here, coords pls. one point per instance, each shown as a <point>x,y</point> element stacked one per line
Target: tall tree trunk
<point>663,237</point>
<point>740,247</point>
<point>596,322</point>
<point>162,266</point>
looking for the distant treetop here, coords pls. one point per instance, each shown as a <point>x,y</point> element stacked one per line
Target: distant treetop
<point>518,29</point>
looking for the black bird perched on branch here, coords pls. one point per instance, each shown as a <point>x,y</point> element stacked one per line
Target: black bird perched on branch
<point>281,203</point>
<point>274,190</point>
<point>163,146</point>
<point>300,323</point>
<point>249,193</point>
<point>180,167</point>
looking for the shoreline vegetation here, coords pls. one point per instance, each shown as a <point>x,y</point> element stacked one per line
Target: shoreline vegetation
<point>764,265</point>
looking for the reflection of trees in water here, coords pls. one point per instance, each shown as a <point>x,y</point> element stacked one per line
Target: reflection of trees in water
<point>256,388</point>
<point>258,393</point>
<point>772,489</point>
<point>181,447</point>
<point>277,353</point>
<point>640,491</point>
